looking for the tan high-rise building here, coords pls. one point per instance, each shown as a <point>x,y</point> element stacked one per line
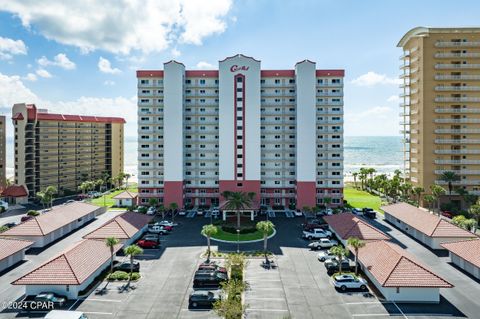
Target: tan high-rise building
<point>64,150</point>
<point>441,105</point>
<point>3,172</point>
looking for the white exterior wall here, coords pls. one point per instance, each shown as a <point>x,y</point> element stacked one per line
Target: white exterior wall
<point>465,265</point>
<point>227,115</point>
<point>174,75</point>
<point>306,122</point>
<point>12,260</point>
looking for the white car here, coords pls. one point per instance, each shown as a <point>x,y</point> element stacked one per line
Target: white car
<point>182,213</point>
<point>325,255</point>
<point>164,223</point>
<point>151,211</point>
<point>200,212</point>
<point>317,233</point>
<point>345,281</point>
<point>298,213</point>
<point>357,211</point>
<point>323,243</point>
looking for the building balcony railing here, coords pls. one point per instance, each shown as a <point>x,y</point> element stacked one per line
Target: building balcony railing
<point>462,110</point>
<point>443,66</point>
<point>329,195</point>
<point>457,121</point>
<point>457,162</point>
<point>457,55</point>
<point>457,131</point>
<point>457,141</point>
<point>464,151</point>
<point>457,99</point>
<point>203,195</point>
<point>459,172</point>
<point>277,195</point>
<point>457,77</point>
<point>452,44</point>
<point>462,182</point>
<point>457,88</point>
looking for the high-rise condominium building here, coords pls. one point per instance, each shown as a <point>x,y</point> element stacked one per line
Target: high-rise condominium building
<point>3,173</point>
<point>64,150</point>
<point>278,133</point>
<point>441,105</point>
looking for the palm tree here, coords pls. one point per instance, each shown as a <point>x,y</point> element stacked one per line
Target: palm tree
<point>355,174</point>
<point>339,252</point>
<point>238,201</point>
<point>475,213</point>
<point>306,210</point>
<point>208,231</point>
<point>429,199</point>
<point>266,227</point>
<point>132,251</point>
<point>43,198</point>
<point>173,207</point>
<point>356,244</point>
<point>363,175</point>
<point>417,192</point>
<point>437,192</point>
<point>111,242</point>
<point>327,201</point>
<point>161,209</point>
<point>449,177</point>
<point>126,176</point>
<point>153,202</point>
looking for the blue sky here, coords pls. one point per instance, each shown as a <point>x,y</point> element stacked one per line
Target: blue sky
<point>91,49</point>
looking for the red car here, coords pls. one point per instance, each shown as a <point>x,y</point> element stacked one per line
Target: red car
<point>169,228</point>
<point>147,243</point>
<point>447,214</point>
<point>213,267</point>
<point>25,218</point>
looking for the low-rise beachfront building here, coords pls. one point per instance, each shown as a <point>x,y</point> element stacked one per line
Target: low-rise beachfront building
<point>54,224</point>
<point>429,229</point>
<point>126,199</point>
<point>127,227</point>
<point>15,194</point>
<point>71,272</point>
<point>466,255</point>
<point>347,225</point>
<point>12,251</point>
<point>398,275</point>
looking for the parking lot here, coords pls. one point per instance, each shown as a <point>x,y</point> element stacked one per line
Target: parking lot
<point>298,288</point>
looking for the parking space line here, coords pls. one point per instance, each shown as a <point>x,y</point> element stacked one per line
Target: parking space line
<point>371,315</point>
<point>400,310</point>
<point>264,309</point>
<point>74,304</point>
<point>366,302</point>
<point>106,300</point>
<point>97,313</point>
<point>281,299</point>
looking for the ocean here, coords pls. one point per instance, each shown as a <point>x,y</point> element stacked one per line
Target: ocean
<point>384,153</point>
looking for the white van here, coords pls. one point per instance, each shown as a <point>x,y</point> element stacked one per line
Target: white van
<point>65,314</point>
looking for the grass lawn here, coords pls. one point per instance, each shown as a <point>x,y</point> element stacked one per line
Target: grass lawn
<point>109,201</point>
<point>233,237</point>
<point>360,199</point>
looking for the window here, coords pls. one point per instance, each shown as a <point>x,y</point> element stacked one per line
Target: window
<point>202,81</point>
<point>239,79</point>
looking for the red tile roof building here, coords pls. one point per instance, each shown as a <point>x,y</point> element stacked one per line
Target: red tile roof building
<point>12,251</point>
<point>347,225</point>
<point>466,255</point>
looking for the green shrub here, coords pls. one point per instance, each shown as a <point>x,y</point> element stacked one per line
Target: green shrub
<point>3,228</point>
<point>135,276</point>
<point>236,272</point>
<point>143,210</point>
<point>122,276</point>
<point>33,213</point>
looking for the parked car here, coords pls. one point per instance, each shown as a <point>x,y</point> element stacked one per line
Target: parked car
<point>200,212</point>
<point>346,281</point>
<point>151,211</point>
<point>155,229</point>
<point>325,255</point>
<point>65,314</point>
<point>298,213</point>
<point>215,212</point>
<point>333,265</point>
<point>25,218</point>
<point>323,243</point>
<point>164,223</point>
<point>310,227</point>
<point>357,211</point>
<point>447,214</point>
<point>139,209</point>
<point>148,243</point>
<point>44,297</point>
<point>316,233</point>
<point>204,278</point>
<point>204,298</point>
<point>369,213</point>
<point>125,266</point>
<point>182,213</point>
<point>212,267</point>
<point>152,237</point>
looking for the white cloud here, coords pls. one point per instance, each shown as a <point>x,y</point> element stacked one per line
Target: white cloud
<point>122,26</point>
<point>393,98</point>
<point>12,90</point>
<point>371,78</point>
<point>106,67</point>
<point>377,120</point>
<point>30,77</point>
<point>109,83</point>
<point>175,53</point>
<point>205,65</point>
<point>60,60</point>
<point>10,47</point>
<point>43,73</point>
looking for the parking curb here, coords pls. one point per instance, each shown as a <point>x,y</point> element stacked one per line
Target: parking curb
<point>242,242</point>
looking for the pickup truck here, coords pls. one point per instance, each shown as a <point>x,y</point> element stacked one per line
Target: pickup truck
<point>316,234</point>
<point>157,230</point>
<point>323,243</point>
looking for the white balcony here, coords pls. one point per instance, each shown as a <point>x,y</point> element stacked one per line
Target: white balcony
<point>462,182</point>
<point>452,44</point>
<point>457,131</point>
<point>464,151</point>
<point>463,110</point>
<point>457,88</point>
<point>457,77</point>
<point>457,141</point>
<point>447,121</point>
<point>457,55</point>
<point>457,99</point>
<point>459,172</point>
<point>445,66</point>
<point>457,162</point>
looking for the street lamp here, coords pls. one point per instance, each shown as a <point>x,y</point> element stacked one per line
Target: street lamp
<point>238,241</point>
